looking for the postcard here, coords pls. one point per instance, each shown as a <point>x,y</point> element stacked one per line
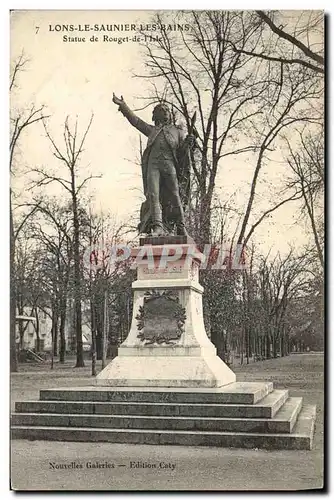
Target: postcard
<point>167,250</point>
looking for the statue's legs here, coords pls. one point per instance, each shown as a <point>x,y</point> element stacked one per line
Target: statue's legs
<point>153,191</point>
<point>164,173</point>
<point>170,182</point>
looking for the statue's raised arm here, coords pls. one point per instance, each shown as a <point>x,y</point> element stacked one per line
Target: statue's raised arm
<point>135,121</point>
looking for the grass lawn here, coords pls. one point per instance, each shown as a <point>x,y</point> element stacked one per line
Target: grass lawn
<point>195,468</point>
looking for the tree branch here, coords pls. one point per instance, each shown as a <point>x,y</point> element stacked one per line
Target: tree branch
<point>282,34</point>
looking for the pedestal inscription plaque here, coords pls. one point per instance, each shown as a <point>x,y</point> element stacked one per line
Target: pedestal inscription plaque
<point>161,318</point>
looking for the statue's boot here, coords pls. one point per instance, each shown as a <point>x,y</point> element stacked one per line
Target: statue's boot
<point>181,229</point>
<point>180,224</point>
<point>157,225</point>
<point>158,230</point>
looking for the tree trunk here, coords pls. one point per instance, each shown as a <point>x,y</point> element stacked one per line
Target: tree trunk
<point>77,281</point>
<point>310,212</point>
<point>93,328</point>
<point>62,347</point>
<point>78,328</point>
<point>268,351</point>
<point>53,326</point>
<point>256,346</point>
<point>282,344</point>
<point>263,347</point>
<point>38,339</point>
<point>21,331</point>
<point>251,197</point>
<point>204,229</point>
<point>13,352</point>
<point>247,344</point>
<point>105,330</point>
<point>274,345</point>
<point>55,340</point>
<point>99,318</point>
<point>242,346</point>
<point>55,335</point>
<point>215,335</point>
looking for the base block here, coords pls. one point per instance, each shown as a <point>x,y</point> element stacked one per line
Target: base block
<point>166,371</point>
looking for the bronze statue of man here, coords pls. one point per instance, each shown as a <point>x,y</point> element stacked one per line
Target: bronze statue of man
<point>165,169</point>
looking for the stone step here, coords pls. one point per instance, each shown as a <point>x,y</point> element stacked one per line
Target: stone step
<point>283,422</point>
<point>266,408</point>
<point>235,393</point>
<point>300,439</point>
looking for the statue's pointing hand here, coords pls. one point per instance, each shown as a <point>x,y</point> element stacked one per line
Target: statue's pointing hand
<point>117,100</point>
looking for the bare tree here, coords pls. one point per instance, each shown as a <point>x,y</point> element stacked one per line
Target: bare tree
<point>52,231</point>
<point>280,280</point>
<point>104,282</point>
<point>69,155</point>
<point>307,165</point>
<point>20,120</point>
<point>27,258</point>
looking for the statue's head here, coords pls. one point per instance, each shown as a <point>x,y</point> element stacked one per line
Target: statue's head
<point>161,114</point>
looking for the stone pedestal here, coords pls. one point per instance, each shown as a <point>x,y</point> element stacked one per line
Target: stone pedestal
<point>167,386</point>
<point>167,345</point>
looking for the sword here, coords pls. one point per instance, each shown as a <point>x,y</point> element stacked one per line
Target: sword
<point>192,122</point>
<point>192,128</point>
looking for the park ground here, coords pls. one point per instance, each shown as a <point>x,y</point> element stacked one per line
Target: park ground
<point>196,468</point>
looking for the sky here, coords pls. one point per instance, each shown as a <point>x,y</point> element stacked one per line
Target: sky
<point>77,79</point>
